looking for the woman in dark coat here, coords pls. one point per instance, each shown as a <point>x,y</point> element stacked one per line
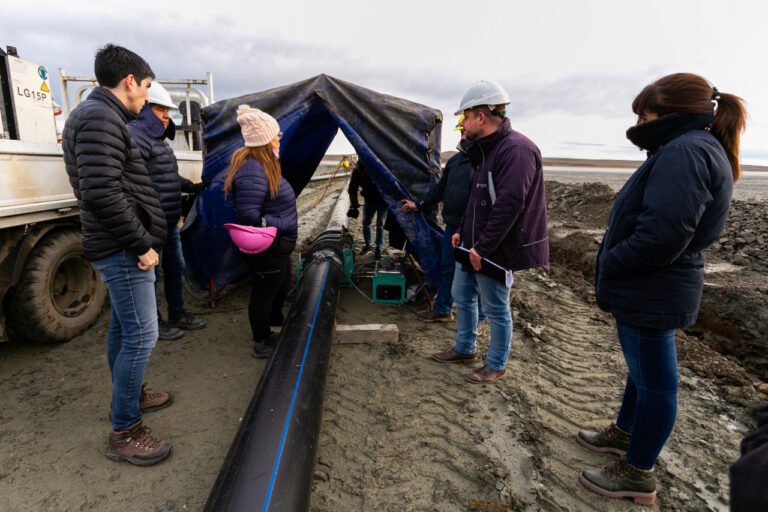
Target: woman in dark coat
<point>650,266</point>
<point>262,196</point>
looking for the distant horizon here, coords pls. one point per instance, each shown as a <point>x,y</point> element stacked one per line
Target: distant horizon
<point>556,161</point>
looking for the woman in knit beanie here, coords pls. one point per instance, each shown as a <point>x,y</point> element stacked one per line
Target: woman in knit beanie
<point>262,197</point>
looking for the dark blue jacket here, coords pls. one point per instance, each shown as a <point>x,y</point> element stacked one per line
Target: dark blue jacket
<point>119,208</point>
<point>452,189</point>
<point>250,193</point>
<point>149,135</point>
<point>361,180</point>
<point>650,269</point>
<point>511,232</point>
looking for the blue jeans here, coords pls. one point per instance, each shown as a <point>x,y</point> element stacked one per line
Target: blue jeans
<point>649,405</point>
<point>172,261</point>
<point>132,331</point>
<point>467,286</point>
<point>381,217</point>
<point>444,300</point>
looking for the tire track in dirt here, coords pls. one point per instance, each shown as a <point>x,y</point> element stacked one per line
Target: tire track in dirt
<point>402,432</point>
<point>571,356</point>
<point>394,440</point>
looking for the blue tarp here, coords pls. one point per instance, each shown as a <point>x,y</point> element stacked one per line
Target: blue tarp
<point>397,140</point>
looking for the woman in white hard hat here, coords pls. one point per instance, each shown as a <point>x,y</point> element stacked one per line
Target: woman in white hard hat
<point>262,196</point>
<point>149,131</point>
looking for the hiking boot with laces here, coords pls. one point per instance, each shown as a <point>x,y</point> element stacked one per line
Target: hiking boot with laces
<point>622,480</point>
<point>187,321</point>
<point>609,440</point>
<point>434,316</point>
<point>153,401</point>
<point>166,332</point>
<point>137,446</point>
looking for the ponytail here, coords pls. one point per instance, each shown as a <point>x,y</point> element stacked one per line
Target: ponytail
<point>728,125</point>
<point>693,94</point>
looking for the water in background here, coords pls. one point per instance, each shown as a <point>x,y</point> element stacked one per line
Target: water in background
<point>752,186</point>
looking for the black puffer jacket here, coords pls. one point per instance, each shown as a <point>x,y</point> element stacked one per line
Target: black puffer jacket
<point>119,207</point>
<point>149,135</point>
<point>361,180</point>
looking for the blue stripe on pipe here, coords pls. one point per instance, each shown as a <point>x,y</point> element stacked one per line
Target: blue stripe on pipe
<point>295,392</point>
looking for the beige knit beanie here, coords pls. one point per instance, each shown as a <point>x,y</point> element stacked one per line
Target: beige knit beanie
<point>258,127</point>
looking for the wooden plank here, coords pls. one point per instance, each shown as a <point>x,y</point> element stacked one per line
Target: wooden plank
<point>365,333</point>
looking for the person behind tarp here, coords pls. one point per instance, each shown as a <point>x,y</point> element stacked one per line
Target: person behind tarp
<point>650,268</point>
<point>453,190</point>
<point>749,474</point>
<point>373,205</point>
<point>262,196</point>
<point>149,131</point>
<point>505,221</point>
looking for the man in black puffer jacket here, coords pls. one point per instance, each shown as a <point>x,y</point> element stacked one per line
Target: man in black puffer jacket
<point>149,131</point>
<point>123,225</point>
<point>453,190</point>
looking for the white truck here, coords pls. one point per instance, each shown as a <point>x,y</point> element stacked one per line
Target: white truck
<point>48,291</point>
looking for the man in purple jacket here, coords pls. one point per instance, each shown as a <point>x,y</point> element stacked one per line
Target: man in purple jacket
<point>504,222</point>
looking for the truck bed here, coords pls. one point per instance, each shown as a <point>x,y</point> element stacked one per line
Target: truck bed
<point>34,186</point>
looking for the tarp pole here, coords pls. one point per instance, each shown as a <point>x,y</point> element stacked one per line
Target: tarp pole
<point>271,461</point>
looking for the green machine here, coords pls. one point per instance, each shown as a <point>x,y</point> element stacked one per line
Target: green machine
<point>389,281</point>
<point>349,267</point>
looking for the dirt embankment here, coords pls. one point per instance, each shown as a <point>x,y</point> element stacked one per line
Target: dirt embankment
<point>729,343</point>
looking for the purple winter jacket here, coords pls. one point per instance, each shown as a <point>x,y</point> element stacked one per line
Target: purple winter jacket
<point>511,232</point>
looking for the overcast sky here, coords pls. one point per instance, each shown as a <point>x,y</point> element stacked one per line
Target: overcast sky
<point>571,68</point>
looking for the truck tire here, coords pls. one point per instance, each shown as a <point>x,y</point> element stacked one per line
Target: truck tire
<point>59,294</point>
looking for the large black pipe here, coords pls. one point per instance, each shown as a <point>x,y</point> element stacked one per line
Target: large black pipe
<point>270,464</point>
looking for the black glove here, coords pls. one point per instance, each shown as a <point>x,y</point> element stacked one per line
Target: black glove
<point>197,187</point>
<point>353,212</point>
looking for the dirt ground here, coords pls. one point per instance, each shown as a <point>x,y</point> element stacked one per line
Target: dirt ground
<point>399,431</point>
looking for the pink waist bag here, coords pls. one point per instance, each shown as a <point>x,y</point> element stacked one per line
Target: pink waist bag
<point>251,240</point>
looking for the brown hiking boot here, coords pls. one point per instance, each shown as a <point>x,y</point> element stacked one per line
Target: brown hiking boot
<point>485,375</point>
<point>622,480</point>
<point>434,316</point>
<point>609,440</point>
<point>135,445</point>
<point>451,356</point>
<point>149,402</point>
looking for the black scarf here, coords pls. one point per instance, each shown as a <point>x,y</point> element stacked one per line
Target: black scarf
<point>652,135</point>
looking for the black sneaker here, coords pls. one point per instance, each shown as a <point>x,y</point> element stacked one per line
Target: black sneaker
<point>366,250</point>
<point>622,480</point>
<point>377,254</point>
<point>264,348</point>
<point>188,322</point>
<point>168,333</point>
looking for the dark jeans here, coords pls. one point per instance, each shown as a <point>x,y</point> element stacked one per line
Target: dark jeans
<point>650,398</point>
<point>172,260</point>
<point>132,331</point>
<point>270,281</point>
<point>444,300</point>
<point>380,211</point>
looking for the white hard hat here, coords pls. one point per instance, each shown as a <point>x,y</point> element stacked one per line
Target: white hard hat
<point>484,92</point>
<point>159,96</point>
